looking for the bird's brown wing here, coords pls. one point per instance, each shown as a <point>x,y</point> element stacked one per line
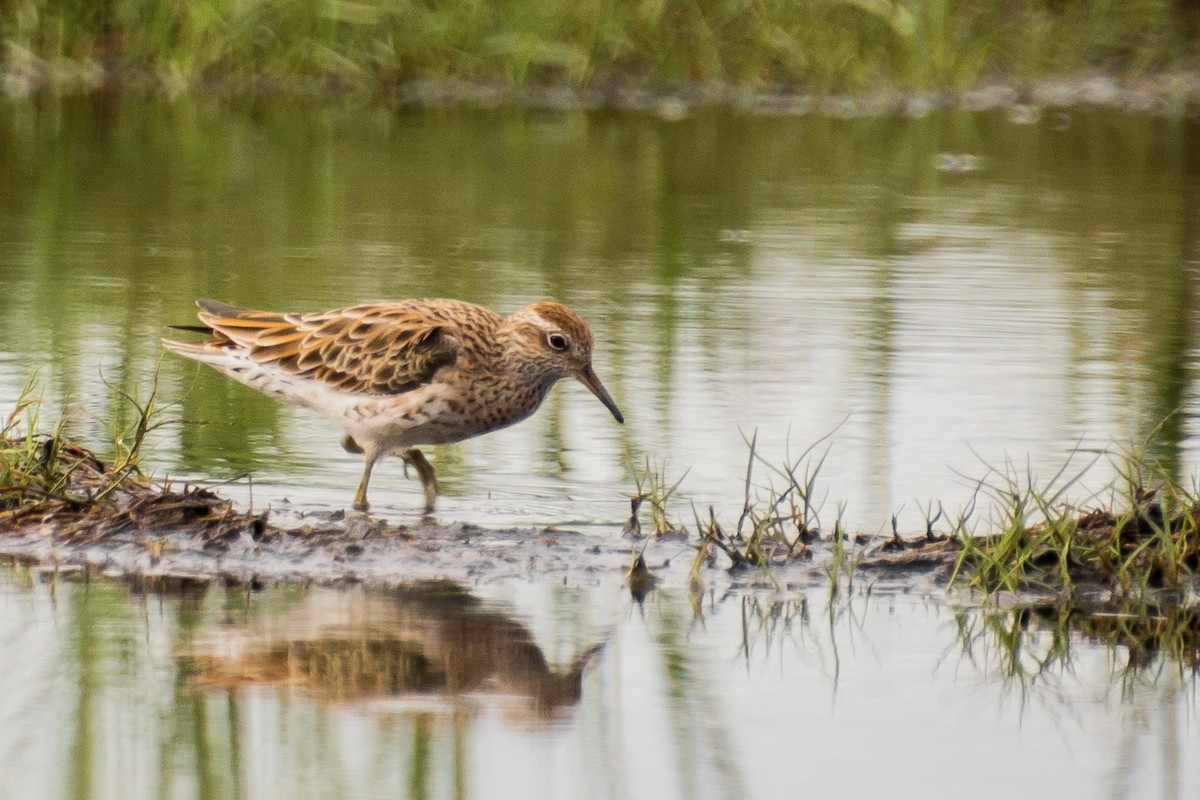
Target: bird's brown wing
<point>371,349</point>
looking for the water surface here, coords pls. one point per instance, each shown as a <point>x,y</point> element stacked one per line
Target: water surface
<point>937,296</point>
<point>939,314</point>
<point>538,690</point>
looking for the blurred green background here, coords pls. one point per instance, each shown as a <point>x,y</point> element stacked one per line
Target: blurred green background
<point>377,45</point>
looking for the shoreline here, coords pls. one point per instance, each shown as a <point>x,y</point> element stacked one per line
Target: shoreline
<point>64,511</point>
<point>1167,94</point>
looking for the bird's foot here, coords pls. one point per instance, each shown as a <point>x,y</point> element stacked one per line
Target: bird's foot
<point>360,498</point>
<point>427,475</point>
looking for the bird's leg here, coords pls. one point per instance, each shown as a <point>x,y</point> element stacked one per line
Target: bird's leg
<point>426,473</point>
<point>360,497</point>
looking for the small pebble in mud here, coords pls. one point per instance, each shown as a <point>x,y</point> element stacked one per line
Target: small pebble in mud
<point>354,550</point>
<point>360,528</point>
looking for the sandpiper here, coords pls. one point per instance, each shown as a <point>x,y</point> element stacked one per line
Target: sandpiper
<point>395,375</point>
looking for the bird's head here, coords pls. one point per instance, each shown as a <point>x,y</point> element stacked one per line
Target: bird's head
<point>550,341</point>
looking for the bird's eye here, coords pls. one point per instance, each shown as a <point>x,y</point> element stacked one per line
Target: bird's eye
<point>557,341</point>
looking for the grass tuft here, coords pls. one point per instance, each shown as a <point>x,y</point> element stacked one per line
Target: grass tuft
<point>653,492</point>
<point>1146,537</point>
<point>778,523</point>
<point>46,479</point>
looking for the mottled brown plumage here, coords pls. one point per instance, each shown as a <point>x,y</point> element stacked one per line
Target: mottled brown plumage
<point>396,375</point>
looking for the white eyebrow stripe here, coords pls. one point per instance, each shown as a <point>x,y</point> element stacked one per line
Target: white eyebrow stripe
<point>540,321</point>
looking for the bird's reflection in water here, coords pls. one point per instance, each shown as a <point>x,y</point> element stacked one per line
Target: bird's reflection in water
<point>428,639</point>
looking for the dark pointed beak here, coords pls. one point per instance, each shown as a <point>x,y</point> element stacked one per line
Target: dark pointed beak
<point>588,378</point>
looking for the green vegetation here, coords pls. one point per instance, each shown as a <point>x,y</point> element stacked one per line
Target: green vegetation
<point>776,525</point>
<point>30,465</point>
<point>652,490</point>
<point>1145,539</point>
<point>46,478</point>
<point>775,529</point>
<point>37,467</point>
<point>381,45</point>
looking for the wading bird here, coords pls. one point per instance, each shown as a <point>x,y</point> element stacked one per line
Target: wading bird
<point>395,375</point>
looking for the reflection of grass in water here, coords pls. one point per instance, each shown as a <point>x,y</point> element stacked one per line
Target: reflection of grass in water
<point>697,728</point>
<point>1034,641</point>
<point>1036,647</point>
<point>369,43</point>
<point>768,621</point>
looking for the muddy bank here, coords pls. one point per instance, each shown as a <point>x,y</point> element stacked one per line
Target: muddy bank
<point>355,550</point>
<point>71,512</point>
<point>346,548</point>
<point>1174,93</point>
<point>343,548</point>
<point>74,511</point>
<point>62,507</point>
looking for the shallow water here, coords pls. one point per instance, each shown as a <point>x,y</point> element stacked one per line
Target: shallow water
<point>537,690</point>
<point>794,277</point>
<point>938,296</point>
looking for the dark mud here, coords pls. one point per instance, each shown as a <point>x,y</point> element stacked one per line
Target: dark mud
<point>71,511</point>
<point>98,519</point>
<point>339,548</point>
<point>330,549</point>
<point>81,513</point>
